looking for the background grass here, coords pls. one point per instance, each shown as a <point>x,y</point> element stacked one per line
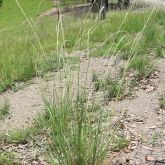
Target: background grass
<point>22,54</point>
<point>10,14</point>
<point>25,54</point>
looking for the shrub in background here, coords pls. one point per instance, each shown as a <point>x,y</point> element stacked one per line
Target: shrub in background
<point>1,1</point>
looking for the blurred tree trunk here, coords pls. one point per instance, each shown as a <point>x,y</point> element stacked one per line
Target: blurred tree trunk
<point>100,6</point>
<point>123,4</point>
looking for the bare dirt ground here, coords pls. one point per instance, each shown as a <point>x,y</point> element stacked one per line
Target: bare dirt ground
<point>25,104</point>
<point>144,124</point>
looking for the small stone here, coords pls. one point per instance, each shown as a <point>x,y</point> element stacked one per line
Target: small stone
<point>134,142</point>
<point>133,148</point>
<point>133,125</point>
<point>149,158</point>
<point>138,120</point>
<point>147,148</point>
<point>153,127</point>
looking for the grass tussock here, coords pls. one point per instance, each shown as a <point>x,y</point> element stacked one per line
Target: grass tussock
<point>113,87</point>
<point>142,66</point>
<point>20,136</point>
<point>77,130</point>
<point>7,159</point>
<point>77,134</point>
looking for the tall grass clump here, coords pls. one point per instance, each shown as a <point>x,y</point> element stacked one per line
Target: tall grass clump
<point>77,134</point>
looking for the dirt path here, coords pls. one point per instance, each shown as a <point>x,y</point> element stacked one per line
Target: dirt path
<point>75,9</point>
<point>85,8</point>
<point>152,2</point>
<point>25,104</point>
<point>144,125</point>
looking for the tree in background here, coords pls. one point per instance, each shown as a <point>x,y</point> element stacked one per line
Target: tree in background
<point>123,3</point>
<point>100,6</point>
<point>1,1</point>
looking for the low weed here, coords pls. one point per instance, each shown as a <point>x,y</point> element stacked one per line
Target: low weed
<point>4,109</point>
<point>162,101</point>
<point>155,137</point>
<point>141,65</point>
<point>21,136</point>
<point>159,52</point>
<point>100,51</point>
<point>113,87</point>
<point>7,159</point>
<point>118,143</point>
<point>51,62</point>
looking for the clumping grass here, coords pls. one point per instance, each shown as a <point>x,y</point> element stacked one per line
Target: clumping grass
<point>151,38</point>
<point>118,143</point>
<point>156,136</point>
<point>113,87</point>
<point>162,101</point>
<point>21,136</point>
<point>94,76</point>
<point>4,108</point>
<point>100,51</point>
<point>115,90</point>
<point>7,159</point>
<point>76,132</point>
<point>160,52</point>
<point>141,65</point>
<point>79,132</point>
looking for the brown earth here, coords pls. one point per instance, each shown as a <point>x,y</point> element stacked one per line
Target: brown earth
<point>25,104</point>
<point>144,124</point>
